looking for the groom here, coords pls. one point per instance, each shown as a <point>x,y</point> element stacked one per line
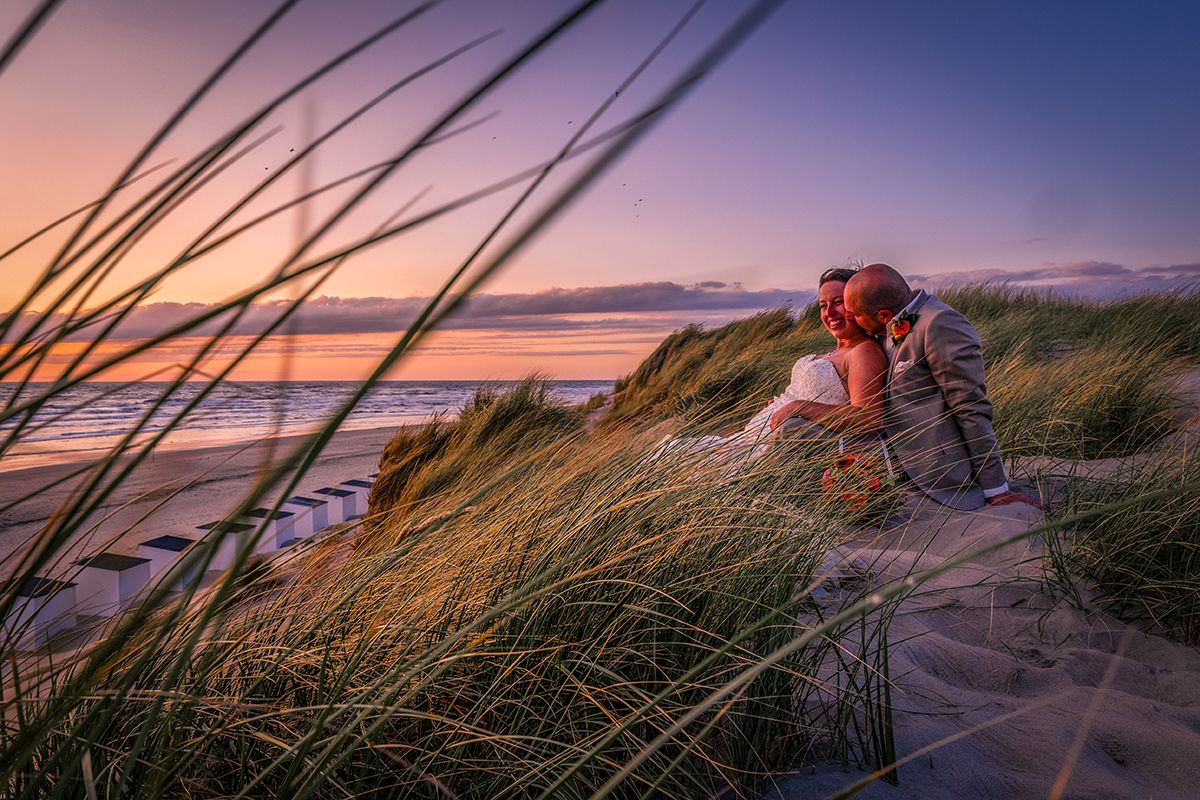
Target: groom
<point>937,415</point>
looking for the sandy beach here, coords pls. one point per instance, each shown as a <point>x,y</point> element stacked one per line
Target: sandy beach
<point>174,491</point>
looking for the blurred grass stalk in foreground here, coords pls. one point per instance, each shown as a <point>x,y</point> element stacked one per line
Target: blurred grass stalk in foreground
<point>528,610</point>
<point>260,686</point>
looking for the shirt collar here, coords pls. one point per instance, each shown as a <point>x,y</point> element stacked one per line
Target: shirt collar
<point>912,304</point>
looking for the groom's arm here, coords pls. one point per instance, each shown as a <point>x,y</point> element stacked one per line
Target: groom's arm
<point>866,375</point>
<point>956,363</point>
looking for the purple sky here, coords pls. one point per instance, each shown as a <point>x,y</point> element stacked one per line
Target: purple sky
<point>1045,143</point>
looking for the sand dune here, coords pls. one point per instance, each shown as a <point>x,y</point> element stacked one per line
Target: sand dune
<point>999,691</point>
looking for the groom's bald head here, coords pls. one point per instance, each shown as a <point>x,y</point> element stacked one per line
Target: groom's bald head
<point>874,295</point>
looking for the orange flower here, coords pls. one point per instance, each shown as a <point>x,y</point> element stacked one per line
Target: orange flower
<point>901,326</point>
<point>856,501</point>
<point>851,479</point>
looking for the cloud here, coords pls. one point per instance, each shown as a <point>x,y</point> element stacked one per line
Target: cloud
<point>645,306</point>
<point>635,297</point>
<point>1091,279</point>
<point>647,309</point>
<point>1177,269</point>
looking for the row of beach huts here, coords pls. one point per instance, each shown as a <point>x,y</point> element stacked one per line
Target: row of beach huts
<point>106,583</point>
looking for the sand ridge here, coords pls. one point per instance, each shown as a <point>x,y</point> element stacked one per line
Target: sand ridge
<point>996,685</point>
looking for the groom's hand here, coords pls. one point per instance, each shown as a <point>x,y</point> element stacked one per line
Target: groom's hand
<point>785,412</point>
<point>1008,498</point>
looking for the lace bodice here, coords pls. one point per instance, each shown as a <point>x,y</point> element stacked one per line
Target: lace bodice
<point>815,378</point>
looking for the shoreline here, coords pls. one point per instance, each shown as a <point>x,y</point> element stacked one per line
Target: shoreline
<point>245,409</point>
<point>47,454</point>
<point>175,490</point>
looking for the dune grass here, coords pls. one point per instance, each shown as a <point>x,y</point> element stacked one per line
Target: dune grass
<point>494,431</point>
<point>530,636</point>
<point>714,373</point>
<point>1145,558</point>
<point>1040,323</point>
<point>1065,378</point>
<point>1101,401</point>
<point>1069,379</point>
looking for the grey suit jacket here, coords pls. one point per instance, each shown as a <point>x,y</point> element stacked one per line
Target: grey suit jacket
<point>937,414</point>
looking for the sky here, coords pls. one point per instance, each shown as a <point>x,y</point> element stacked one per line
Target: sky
<point>1050,145</point>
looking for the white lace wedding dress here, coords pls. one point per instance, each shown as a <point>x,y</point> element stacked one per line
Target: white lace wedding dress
<point>813,378</point>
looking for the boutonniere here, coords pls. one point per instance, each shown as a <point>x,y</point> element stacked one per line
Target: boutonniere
<point>901,326</point>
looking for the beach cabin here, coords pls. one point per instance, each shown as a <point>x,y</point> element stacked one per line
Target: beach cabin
<point>234,536</point>
<point>362,489</point>
<point>44,608</point>
<point>109,582</point>
<point>163,552</point>
<point>311,515</point>
<point>345,502</point>
<point>279,528</point>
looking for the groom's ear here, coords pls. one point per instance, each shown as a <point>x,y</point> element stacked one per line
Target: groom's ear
<point>884,315</point>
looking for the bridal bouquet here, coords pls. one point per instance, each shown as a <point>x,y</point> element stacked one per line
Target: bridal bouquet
<point>858,484</point>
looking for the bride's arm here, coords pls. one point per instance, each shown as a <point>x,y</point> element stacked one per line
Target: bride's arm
<point>866,374</point>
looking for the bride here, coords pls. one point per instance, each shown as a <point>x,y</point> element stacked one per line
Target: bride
<point>841,391</point>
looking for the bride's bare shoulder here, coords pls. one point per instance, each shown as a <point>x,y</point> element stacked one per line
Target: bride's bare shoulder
<point>867,353</point>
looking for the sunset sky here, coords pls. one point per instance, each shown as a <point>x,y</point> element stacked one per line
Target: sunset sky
<point>1051,144</point>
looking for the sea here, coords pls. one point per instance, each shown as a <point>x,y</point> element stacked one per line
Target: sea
<point>87,420</point>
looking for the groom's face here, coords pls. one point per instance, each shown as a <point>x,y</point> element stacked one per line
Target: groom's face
<point>874,324</point>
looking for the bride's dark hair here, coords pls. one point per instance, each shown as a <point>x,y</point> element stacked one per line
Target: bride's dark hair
<point>842,274</point>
